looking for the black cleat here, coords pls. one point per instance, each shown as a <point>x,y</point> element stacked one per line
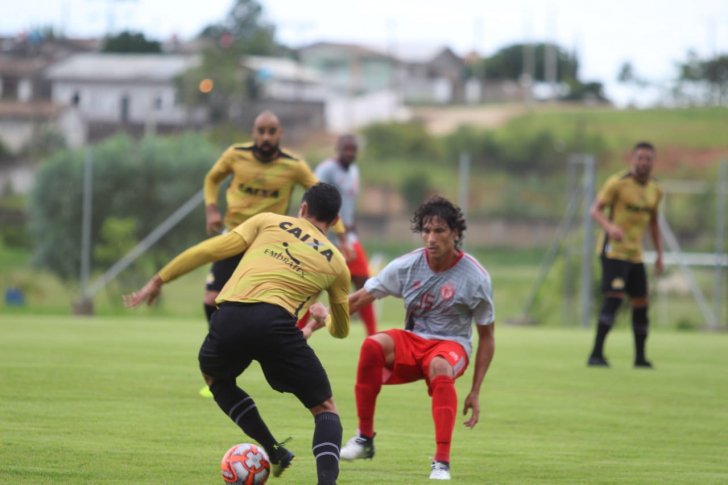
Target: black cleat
<point>643,364</point>
<point>285,458</point>
<point>597,361</point>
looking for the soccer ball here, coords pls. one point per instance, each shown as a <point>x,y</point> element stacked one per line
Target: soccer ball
<point>245,464</point>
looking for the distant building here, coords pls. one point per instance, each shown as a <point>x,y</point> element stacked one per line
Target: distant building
<point>137,91</point>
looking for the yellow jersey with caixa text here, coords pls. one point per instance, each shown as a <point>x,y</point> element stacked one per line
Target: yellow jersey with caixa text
<point>631,204</point>
<point>288,261</point>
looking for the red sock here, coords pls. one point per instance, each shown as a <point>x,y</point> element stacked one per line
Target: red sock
<point>304,320</point>
<point>370,322</point>
<point>444,409</point>
<point>368,384</point>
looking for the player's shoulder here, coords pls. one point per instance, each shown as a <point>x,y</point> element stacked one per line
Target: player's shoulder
<point>411,257</point>
<point>473,267</point>
<point>327,164</point>
<point>620,177</point>
<point>242,147</point>
<point>289,155</point>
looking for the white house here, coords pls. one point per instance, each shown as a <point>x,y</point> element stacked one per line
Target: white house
<point>135,89</point>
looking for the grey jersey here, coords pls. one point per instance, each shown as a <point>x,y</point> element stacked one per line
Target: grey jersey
<point>439,305</point>
<point>347,181</point>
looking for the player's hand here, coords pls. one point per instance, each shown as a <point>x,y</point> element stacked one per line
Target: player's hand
<point>319,312</point>
<point>615,233</point>
<point>347,251</point>
<point>214,220</point>
<point>472,402</point>
<point>659,266</point>
<point>148,293</point>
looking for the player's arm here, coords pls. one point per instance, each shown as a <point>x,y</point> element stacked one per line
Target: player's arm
<point>656,240</point>
<point>214,249</point>
<point>337,323</point>
<point>359,300</point>
<point>597,213</point>
<point>213,179</point>
<point>483,358</point>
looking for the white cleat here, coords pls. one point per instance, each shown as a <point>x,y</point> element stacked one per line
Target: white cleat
<point>358,447</point>
<point>440,471</point>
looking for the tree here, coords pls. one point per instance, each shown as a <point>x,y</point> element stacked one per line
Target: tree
<point>131,42</point>
<point>709,76</point>
<point>242,32</point>
<point>143,181</point>
<point>508,63</point>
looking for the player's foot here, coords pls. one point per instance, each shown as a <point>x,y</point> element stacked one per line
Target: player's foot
<point>284,461</point>
<point>643,364</point>
<point>358,447</point>
<point>206,392</point>
<point>597,361</point>
<point>440,470</point>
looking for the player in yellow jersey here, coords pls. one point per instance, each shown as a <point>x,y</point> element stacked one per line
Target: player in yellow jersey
<point>632,198</point>
<point>263,177</point>
<point>287,262</point>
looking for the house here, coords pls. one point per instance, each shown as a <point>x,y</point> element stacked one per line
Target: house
<point>137,91</point>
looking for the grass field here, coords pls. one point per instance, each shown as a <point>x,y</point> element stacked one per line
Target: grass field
<point>114,401</point>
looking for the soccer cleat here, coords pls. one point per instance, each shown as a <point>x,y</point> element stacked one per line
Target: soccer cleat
<point>597,361</point>
<point>358,447</point>
<point>643,364</point>
<point>285,460</point>
<point>440,470</point>
<point>206,392</point>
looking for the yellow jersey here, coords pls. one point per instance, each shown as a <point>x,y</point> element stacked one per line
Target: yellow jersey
<point>256,186</point>
<point>288,261</point>
<point>631,205</point>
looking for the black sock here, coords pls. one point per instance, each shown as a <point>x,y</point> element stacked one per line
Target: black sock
<point>209,310</point>
<point>605,323</point>
<point>241,408</point>
<point>326,447</point>
<point>640,325</point>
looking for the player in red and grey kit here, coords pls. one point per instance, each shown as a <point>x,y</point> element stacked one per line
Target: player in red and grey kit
<point>444,291</point>
<point>343,173</point>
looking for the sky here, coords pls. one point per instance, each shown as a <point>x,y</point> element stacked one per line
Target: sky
<point>652,34</point>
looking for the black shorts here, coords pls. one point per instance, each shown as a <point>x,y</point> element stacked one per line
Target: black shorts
<point>222,271</point>
<point>624,277</point>
<point>243,332</point>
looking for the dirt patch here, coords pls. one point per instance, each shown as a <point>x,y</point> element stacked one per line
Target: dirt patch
<point>440,121</point>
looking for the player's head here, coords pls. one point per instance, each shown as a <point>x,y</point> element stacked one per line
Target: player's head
<point>441,224</point>
<point>321,202</point>
<point>267,133</point>
<point>346,148</point>
<point>643,160</point>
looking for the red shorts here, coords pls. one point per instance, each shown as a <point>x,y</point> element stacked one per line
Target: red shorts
<point>413,354</point>
<point>359,266</point>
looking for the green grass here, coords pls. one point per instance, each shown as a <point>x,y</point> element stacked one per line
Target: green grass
<point>114,401</point>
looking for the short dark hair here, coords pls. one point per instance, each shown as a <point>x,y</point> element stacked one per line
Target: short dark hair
<point>445,210</point>
<point>324,202</point>
<point>644,144</point>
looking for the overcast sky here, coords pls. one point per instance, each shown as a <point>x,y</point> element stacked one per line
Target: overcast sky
<point>652,34</point>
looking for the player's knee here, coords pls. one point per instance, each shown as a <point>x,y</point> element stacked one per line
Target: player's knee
<point>609,310</point>
<point>378,348</point>
<point>328,406</point>
<point>442,381</point>
<point>440,367</point>
<point>210,297</point>
<point>640,301</point>
<point>209,380</point>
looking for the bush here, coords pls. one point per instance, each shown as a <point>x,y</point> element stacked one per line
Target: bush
<point>407,140</point>
<point>144,181</point>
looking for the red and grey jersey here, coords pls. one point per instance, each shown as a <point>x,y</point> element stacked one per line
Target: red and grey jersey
<point>347,181</point>
<point>439,306</point>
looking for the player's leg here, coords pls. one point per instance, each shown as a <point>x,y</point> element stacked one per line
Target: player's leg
<point>637,289</point>
<point>291,365</point>
<point>359,269</point>
<point>444,363</point>
<point>221,362</point>
<point>326,444</point>
<point>613,286</point>
<point>376,356</point>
